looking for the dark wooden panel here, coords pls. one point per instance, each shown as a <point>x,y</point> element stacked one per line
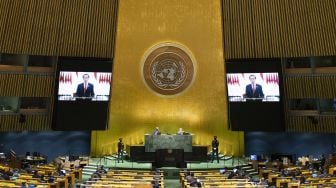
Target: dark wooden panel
<point>32,123</point>
<point>299,87</point>
<point>62,27</point>
<point>323,124</point>
<point>310,86</point>
<point>12,84</point>
<point>287,28</point>
<point>24,85</point>
<point>53,28</point>
<point>38,85</point>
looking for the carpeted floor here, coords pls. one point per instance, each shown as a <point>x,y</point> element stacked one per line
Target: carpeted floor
<point>172,183</point>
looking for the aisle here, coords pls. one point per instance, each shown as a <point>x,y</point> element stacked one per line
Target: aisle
<point>172,183</point>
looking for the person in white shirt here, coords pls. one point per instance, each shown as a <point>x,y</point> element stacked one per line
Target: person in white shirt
<point>180,131</point>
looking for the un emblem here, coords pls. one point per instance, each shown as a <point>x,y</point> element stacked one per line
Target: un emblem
<point>168,69</point>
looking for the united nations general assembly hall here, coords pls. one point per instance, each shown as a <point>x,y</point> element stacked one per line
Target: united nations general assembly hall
<point>167,93</point>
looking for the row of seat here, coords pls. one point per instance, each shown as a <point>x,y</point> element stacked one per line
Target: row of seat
<point>213,178</point>
<point>21,177</point>
<point>126,179</point>
<point>296,176</point>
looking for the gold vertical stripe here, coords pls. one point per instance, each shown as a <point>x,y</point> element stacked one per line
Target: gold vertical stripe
<point>287,28</point>
<point>317,86</point>
<point>63,27</point>
<point>11,84</point>
<point>304,124</point>
<point>33,123</point>
<point>22,85</point>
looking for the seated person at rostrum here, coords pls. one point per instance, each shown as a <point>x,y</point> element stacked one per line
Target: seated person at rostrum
<point>157,131</point>
<point>180,131</point>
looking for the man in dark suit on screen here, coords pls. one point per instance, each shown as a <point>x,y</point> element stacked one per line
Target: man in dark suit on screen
<point>85,89</point>
<point>253,90</point>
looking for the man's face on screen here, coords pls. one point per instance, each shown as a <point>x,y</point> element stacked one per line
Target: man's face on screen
<point>252,79</point>
<point>86,78</point>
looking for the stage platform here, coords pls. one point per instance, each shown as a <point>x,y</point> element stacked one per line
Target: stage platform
<point>170,173</point>
<point>111,162</point>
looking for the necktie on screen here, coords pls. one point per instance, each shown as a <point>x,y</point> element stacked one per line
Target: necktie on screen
<point>253,88</point>
<point>85,87</point>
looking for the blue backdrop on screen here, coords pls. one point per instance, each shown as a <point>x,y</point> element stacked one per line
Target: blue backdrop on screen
<point>82,93</point>
<point>255,94</point>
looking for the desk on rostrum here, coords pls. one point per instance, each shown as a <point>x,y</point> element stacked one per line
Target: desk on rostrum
<point>167,141</point>
<point>155,146</point>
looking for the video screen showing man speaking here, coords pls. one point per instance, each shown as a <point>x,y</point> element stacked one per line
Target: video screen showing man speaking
<point>85,89</point>
<point>93,86</point>
<point>262,87</point>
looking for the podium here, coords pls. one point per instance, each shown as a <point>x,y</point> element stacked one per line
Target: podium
<point>166,141</point>
<point>170,157</point>
<point>168,150</point>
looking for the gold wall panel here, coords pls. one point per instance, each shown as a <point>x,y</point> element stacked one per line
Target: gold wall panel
<point>274,28</point>
<point>58,27</point>
<point>201,109</point>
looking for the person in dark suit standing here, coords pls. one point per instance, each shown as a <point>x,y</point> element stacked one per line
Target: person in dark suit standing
<point>85,89</point>
<point>214,145</point>
<point>120,151</point>
<point>253,90</point>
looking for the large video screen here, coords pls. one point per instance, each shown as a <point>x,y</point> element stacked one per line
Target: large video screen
<point>94,86</point>
<point>254,91</point>
<point>82,93</point>
<point>263,86</point>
